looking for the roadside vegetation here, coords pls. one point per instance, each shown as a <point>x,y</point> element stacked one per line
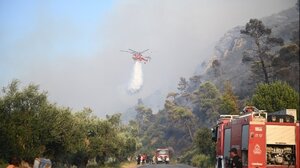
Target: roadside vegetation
<point>31,126</point>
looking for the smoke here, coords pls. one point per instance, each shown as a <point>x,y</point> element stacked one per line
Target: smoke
<point>70,49</point>
<point>136,81</point>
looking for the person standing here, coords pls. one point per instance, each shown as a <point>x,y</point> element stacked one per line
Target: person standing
<point>154,159</point>
<point>235,159</point>
<point>138,159</point>
<point>42,163</point>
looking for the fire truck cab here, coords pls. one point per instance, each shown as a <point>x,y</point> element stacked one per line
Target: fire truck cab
<point>263,140</point>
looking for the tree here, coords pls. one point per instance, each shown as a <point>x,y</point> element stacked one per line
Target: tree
<point>19,125</point>
<point>31,126</point>
<point>216,65</point>
<point>55,131</point>
<point>206,100</point>
<point>143,117</point>
<point>180,114</point>
<point>261,53</point>
<point>182,85</point>
<point>286,65</point>
<point>203,141</point>
<point>276,96</point>
<point>194,82</point>
<point>229,103</point>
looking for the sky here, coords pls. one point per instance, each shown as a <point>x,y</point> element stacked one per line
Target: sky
<point>71,48</point>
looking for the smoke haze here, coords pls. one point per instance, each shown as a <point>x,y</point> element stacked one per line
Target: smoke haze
<point>71,48</point>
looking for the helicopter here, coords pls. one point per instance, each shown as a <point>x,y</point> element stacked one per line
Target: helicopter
<point>137,56</point>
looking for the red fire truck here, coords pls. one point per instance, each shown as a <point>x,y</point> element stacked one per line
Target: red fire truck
<point>263,140</point>
<point>162,155</point>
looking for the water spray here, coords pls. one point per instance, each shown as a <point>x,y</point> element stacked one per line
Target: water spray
<point>136,81</point>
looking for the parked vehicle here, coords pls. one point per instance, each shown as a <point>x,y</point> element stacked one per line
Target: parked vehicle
<point>262,140</point>
<point>162,155</point>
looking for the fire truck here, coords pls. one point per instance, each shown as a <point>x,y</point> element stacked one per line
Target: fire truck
<point>262,140</point>
<point>162,155</point>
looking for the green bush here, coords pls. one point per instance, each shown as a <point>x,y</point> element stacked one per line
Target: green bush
<point>202,161</point>
<point>275,96</point>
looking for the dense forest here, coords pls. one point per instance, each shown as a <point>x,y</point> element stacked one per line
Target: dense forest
<point>256,64</point>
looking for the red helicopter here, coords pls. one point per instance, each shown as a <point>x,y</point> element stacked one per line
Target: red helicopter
<point>137,56</point>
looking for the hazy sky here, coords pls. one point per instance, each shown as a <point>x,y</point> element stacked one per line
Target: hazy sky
<point>72,48</point>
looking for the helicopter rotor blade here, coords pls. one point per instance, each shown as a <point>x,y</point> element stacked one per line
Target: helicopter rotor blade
<point>133,51</point>
<point>124,51</point>
<point>144,51</point>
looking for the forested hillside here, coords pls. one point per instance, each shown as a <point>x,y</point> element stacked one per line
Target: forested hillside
<point>233,55</point>
<point>251,65</point>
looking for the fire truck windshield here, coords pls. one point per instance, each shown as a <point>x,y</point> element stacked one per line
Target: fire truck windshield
<point>162,152</point>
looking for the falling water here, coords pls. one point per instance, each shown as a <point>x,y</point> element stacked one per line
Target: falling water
<point>136,81</point>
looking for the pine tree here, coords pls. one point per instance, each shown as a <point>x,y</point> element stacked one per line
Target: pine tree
<point>260,54</point>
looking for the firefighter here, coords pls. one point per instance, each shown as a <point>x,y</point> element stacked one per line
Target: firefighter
<point>235,161</point>
<point>138,159</point>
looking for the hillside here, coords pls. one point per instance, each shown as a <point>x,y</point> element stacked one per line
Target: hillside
<point>228,53</point>
<point>195,107</point>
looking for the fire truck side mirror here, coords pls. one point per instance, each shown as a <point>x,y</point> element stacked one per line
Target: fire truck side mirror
<point>214,134</point>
